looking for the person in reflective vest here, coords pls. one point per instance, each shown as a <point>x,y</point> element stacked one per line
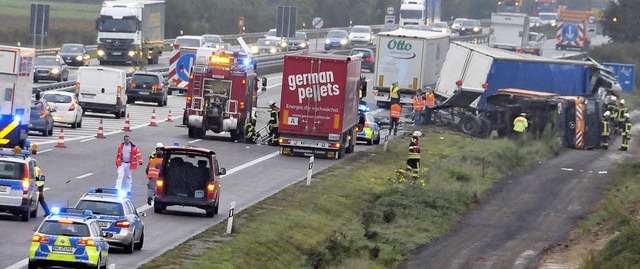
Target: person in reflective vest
<point>418,107</point>
<point>153,171</point>
<point>396,109</point>
<point>394,93</point>
<point>520,125</point>
<point>250,131</point>
<point>604,143</point>
<point>620,120</point>
<point>612,120</point>
<point>626,133</point>
<point>128,158</point>
<point>40,183</point>
<point>429,102</point>
<point>274,123</point>
<point>413,161</point>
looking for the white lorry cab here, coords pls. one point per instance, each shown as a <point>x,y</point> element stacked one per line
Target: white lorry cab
<point>102,90</point>
<point>16,82</point>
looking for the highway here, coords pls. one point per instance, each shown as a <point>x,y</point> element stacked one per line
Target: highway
<point>90,162</point>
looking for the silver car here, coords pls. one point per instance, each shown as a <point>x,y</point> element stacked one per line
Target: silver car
<point>361,34</point>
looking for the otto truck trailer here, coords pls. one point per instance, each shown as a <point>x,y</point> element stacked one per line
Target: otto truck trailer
<point>16,84</point>
<point>413,58</point>
<point>319,105</point>
<point>572,30</point>
<point>130,30</point>
<point>472,73</point>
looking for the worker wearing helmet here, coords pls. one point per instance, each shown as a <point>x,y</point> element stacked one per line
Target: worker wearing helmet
<point>413,161</point>
<point>620,120</point>
<point>40,183</point>
<point>626,133</point>
<point>604,140</point>
<point>153,170</point>
<point>520,125</point>
<point>274,123</point>
<point>250,131</point>
<point>394,93</point>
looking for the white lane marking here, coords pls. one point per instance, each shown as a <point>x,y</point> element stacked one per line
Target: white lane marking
<point>88,139</point>
<point>566,169</point>
<point>85,175</point>
<point>19,264</point>
<point>44,150</point>
<point>274,85</point>
<point>194,141</point>
<point>45,189</point>
<point>602,172</point>
<point>377,111</point>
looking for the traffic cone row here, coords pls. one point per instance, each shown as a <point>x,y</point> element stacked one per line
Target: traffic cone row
<point>100,131</point>
<point>127,128</point>
<point>153,122</point>
<point>61,139</point>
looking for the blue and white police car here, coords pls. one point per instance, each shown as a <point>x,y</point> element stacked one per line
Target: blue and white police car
<point>367,129</point>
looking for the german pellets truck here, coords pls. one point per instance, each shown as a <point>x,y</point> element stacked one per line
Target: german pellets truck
<point>319,105</point>
<point>16,82</point>
<point>413,58</point>
<point>130,30</point>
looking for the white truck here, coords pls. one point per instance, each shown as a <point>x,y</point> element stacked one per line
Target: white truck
<point>413,58</point>
<point>510,31</point>
<point>16,84</point>
<point>413,12</point>
<point>130,30</point>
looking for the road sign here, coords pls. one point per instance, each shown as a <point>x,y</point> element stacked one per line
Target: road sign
<point>183,65</point>
<point>591,19</point>
<point>570,32</point>
<point>39,19</point>
<point>390,10</point>
<point>317,22</point>
<point>286,21</point>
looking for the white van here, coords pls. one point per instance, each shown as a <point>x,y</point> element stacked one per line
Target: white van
<point>102,89</point>
<point>191,41</point>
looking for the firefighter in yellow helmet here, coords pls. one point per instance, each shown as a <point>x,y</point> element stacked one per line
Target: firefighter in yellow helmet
<point>626,133</point>
<point>604,141</point>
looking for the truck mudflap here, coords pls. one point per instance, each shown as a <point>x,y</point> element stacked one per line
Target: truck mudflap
<point>308,152</point>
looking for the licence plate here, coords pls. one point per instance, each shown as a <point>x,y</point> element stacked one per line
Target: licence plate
<point>5,188</point>
<point>57,117</point>
<point>88,96</point>
<point>64,249</point>
<point>116,53</point>
<point>104,224</point>
<point>143,93</point>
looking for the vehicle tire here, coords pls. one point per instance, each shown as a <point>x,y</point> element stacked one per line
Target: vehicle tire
<point>50,132</point>
<point>45,132</point>
<point>123,113</point>
<point>377,141</point>
<point>486,128</point>
<point>370,141</point>
<point>101,62</point>
<point>32,266</point>
<point>217,207</point>
<point>165,102</point>
<point>129,247</point>
<point>160,103</point>
<point>470,125</point>
<point>34,213</point>
<point>503,132</point>
<point>59,78</point>
<point>209,213</point>
<point>80,123</point>
<point>201,133</point>
<point>191,132</point>
<point>35,80</point>
<point>106,264</point>
<point>138,246</point>
<point>25,215</point>
<point>66,78</point>
<point>158,207</point>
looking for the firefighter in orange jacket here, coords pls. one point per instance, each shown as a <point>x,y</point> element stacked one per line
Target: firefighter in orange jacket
<point>153,171</point>
<point>396,109</point>
<point>127,159</point>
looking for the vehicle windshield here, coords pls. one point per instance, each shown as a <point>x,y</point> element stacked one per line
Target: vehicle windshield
<point>439,25</point>
<point>47,61</point>
<point>360,29</point>
<point>337,34</point>
<point>272,32</point>
<point>53,227</point>
<point>264,42</point>
<point>120,25</point>
<point>11,170</point>
<point>144,79</point>
<point>188,42</point>
<point>71,49</point>
<point>301,36</point>
<point>470,23</point>
<point>101,208</point>
<point>411,14</point>
<point>212,39</point>
<point>548,17</point>
<point>57,98</point>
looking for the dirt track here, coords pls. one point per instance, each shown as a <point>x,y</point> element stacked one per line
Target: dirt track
<point>524,214</point>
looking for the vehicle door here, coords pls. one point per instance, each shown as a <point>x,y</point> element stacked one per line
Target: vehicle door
<point>133,216</point>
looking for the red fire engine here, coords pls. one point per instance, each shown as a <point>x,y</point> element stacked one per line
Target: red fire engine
<point>222,93</point>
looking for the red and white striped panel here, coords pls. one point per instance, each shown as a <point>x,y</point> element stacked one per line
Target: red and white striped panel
<point>579,137</point>
<point>582,32</point>
<point>173,75</point>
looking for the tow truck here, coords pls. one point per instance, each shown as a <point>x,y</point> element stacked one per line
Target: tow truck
<point>222,94</point>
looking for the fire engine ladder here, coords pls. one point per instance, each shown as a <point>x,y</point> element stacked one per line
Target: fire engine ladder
<point>264,134</point>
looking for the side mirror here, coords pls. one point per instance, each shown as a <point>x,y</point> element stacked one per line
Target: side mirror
<point>41,178</point>
<point>98,24</point>
<point>142,214</point>
<point>264,82</point>
<point>107,234</point>
<point>222,171</point>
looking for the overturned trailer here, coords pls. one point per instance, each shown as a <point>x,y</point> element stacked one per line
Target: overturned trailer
<point>487,88</point>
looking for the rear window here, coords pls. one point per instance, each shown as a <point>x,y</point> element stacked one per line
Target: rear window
<point>53,227</point>
<point>271,32</point>
<point>144,79</point>
<point>101,208</point>
<point>57,98</point>
<point>11,170</point>
<point>47,61</point>
<point>337,34</point>
<point>188,42</point>
<point>364,53</point>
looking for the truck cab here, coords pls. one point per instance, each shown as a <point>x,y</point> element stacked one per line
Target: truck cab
<point>16,82</point>
<point>413,12</point>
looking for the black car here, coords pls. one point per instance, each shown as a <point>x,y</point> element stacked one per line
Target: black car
<point>147,87</point>
<point>74,54</point>
<point>50,68</point>
<point>41,119</point>
<point>299,42</point>
<point>470,27</point>
<point>368,58</point>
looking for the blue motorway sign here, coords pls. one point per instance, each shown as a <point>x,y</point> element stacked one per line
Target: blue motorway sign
<point>570,32</point>
<point>625,73</point>
<point>183,65</point>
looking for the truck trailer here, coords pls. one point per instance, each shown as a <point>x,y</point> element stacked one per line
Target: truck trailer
<point>413,58</point>
<point>16,82</point>
<point>130,30</point>
<point>510,31</point>
<point>319,105</point>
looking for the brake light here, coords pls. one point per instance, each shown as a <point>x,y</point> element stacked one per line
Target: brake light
<point>39,239</point>
<point>366,125</point>
<point>188,101</point>
<point>122,224</point>
<point>518,51</point>
<point>43,113</point>
<point>159,187</point>
<point>72,107</point>
<point>133,84</point>
<point>357,128</point>
<point>25,181</point>
<point>244,82</point>
<point>210,190</point>
<point>241,105</point>
<point>335,145</point>
<point>369,59</point>
<point>283,141</point>
<point>77,85</point>
<point>157,87</point>
<point>87,242</point>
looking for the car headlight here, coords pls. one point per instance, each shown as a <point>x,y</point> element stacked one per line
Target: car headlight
<point>131,53</point>
<point>100,52</point>
<point>55,70</point>
<point>79,58</point>
<point>327,41</point>
<point>87,57</point>
<point>368,36</point>
<point>463,28</point>
<point>273,50</point>
<point>553,24</point>
<point>343,42</point>
<point>283,44</point>
<point>476,29</point>
<point>350,36</point>
<point>254,50</point>
<point>303,44</point>
<point>444,31</point>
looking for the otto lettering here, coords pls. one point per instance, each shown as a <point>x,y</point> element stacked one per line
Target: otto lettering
<point>398,45</point>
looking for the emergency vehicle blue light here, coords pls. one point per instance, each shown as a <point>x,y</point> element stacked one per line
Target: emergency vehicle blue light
<point>246,61</point>
<point>122,193</point>
<point>17,118</point>
<point>176,144</point>
<point>55,210</point>
<point>363,108</point>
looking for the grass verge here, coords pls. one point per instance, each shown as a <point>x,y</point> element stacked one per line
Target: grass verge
<point>363,212</point>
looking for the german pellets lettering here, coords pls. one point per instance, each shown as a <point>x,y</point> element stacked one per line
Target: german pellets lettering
<point>313,85</point>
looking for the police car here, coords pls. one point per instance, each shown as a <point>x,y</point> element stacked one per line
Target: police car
<point>18,189</point>
<point>367,128</point>
<point>69,238</point>
<point>116,214</point>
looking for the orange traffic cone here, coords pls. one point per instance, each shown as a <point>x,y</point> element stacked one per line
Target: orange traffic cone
<point>34,149</point>
<point>61,139</point>
<point>127,128</point>
<point>100,131</point>
<point>153,119</point>
<point>169,119</point>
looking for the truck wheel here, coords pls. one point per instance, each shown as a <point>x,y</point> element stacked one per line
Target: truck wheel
<point>101,62</point>
<point>191,132</point>
<point>486,128</point>
<point>470,125</point>
<point>158,207</point>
